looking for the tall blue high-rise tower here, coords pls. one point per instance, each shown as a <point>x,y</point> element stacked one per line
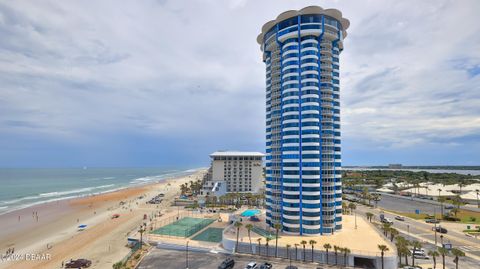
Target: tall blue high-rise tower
<point>303,163</point>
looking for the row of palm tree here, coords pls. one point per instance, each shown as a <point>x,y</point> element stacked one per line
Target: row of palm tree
<point>236,199</point>
<point>303,243</point>
<point>348,208</point>
<point>192,187</point>
<point>403,248</point>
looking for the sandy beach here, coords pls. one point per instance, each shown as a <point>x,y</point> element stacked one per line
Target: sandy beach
<point>50,230</point>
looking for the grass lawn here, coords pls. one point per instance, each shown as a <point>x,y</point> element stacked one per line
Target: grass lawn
<point>465,215</point>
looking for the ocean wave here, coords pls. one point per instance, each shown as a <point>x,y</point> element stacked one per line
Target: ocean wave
<point>105,186</point>
<point>22,206</point>
<point>14,201</point>
<point>61,193</point>
<point>141,180</point>
<point>28,201</point>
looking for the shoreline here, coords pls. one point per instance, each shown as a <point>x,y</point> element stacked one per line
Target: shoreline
<point>131,185</point>
<point>56,222</point>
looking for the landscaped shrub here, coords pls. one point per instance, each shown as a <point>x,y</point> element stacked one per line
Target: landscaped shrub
<point>450,218</point>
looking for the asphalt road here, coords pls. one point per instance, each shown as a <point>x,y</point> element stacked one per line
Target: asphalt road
<point>421,231</point>
<point>176,259</point>
<point>408,205</point>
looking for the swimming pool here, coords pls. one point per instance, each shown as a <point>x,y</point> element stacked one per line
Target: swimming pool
<point>250,212</point>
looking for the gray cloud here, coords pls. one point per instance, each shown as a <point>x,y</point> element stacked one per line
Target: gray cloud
<point>73,69</point>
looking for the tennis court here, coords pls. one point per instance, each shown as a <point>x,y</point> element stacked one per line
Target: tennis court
<point>210,235</point>
<point>184,227</point>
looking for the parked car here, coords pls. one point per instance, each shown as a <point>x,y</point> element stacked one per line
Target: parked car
<point>411,267</point>
<point>432,221</point>
<point>251,265</point>
<point>80,263</point>
<point>266,266</point>
<point>400,218</point>
<point>227,264</point>
<point>440,229</point>
<point>448,206</point>
<point>291,267</point>
<point>421,257</point>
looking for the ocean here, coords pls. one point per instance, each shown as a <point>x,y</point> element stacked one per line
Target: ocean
<point>20,188</point>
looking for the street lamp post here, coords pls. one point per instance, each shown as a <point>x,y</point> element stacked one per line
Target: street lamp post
<point>355,211</point>
<point>435,220</point>
<point>186,256</point>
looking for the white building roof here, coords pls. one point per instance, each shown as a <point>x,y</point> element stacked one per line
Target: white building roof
<point>385,190</point>
<point>237,153</point>
<point>469,195</point>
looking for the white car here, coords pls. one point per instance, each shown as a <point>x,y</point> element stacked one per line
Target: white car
<point>251,265</point>
<point>387,220</point>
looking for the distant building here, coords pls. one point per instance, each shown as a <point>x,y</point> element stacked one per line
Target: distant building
<point>234,171</point>
<point>395,166</point>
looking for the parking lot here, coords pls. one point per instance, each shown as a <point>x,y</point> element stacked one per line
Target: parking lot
<point>175,259</point>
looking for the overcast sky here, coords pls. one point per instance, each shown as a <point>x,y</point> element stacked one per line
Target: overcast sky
<point>153,83</point>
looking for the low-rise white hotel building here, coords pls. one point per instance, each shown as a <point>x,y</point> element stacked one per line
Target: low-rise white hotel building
<point>234,171</point>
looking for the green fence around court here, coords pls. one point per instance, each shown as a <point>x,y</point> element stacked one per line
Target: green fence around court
<point>184,227</point>
<point>263,232</point>
<point>210,235</point>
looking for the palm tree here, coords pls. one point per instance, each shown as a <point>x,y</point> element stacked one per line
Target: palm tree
<point>303,243</point>
<point>393,233</point>
<point>266,244</point>
<point>141,231</point>
<point>288,250</point>
<point>402,248</point>
<point>434,254</point>
<point>249,228</point>
<point>386,228</point>
<point>455,211</point>
<point>336,249</point>
<point>441,200</point>
<point>382,249</point>
<point>237,225</point>
<point>477,191</point>
<point>277,227</point>
<point>346,251</point>
<point>312,243</point>
<point>457,253</point>
<point>443,252</point>
<point>327,246</point>
<point>416,245</point>
<point>344,208</point>
<point>369,216</point>
<point>351,207</point>
<point>296,252</point>
<point>259,245</point>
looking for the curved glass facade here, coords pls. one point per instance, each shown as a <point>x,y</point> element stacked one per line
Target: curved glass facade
<point>303,162</point>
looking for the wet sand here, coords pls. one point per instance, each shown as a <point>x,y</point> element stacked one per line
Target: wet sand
<point>55,233</point>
